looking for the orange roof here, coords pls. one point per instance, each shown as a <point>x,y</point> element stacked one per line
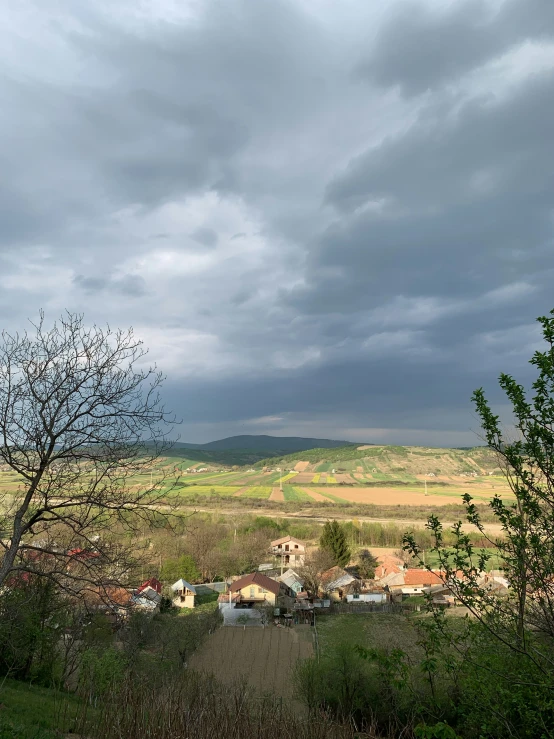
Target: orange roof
<point>421,577</point>
<point>256,578</point>
<point>108,596</point>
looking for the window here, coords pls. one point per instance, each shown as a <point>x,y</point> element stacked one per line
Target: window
<point>296,546</point>
<point>262,590</point>
<point>356,596</point>
<point>252,592</point>
<point>286,548</point>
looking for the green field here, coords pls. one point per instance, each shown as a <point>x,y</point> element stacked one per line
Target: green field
<point>261,492</point>
<point>295,494</point>
<point>221,490</point>
<point>380,630</point>
<point>449,473</point>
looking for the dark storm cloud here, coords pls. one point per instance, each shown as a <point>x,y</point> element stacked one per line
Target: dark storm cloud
<point>420,47</point>
<point>318,218</point>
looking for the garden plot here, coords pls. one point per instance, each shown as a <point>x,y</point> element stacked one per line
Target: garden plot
<point>262,657</point>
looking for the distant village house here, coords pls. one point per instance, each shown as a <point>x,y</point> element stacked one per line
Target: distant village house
<point>291,550</point>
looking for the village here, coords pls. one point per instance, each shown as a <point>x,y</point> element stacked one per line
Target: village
<point>278,592</point>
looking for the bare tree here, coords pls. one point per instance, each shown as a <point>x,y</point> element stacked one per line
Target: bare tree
<point>81,428</point>
<point>315,564</point>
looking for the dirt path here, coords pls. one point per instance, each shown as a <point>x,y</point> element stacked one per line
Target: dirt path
<point>316,496</point>
<point>240,491</point>
<point>277,494</point>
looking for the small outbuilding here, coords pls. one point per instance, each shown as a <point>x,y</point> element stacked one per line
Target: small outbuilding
<point>183,594</point>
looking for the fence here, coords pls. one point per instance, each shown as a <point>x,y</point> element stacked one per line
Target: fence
<point>368,608</point>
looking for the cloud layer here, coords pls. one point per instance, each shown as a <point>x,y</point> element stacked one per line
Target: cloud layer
<point>322,220</point>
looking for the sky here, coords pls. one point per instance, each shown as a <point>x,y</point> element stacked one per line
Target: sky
<point>324,219</point>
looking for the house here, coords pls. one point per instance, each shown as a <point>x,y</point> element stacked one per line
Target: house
<point>495,583</point>
<point>258,589</point>
<point>291,550</point>
<point>292,580</point>
<point>184,594</point>
<point>412,581</point>
<point>387,565</point>
<point>441,595</point>
<point>374,594</point>
<point>152,583</point>
<point>146,599</point>
<point>115,602</point>
<point>337,583</point>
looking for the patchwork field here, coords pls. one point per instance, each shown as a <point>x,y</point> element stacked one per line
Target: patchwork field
<point>368,475</point>
<point>263,658</point>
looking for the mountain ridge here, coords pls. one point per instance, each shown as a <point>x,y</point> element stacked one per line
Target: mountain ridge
<point>266,442</point>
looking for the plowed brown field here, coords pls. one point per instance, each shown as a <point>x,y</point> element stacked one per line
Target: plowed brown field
<point>316,496</point>
<point>344,478</point>
<point>276,494</point>
<point>301,466</point>
<point>303,478</point>
<point>265,658</point>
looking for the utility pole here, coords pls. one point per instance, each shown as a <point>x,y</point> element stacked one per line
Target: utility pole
<point>280,481</point>
<point>425,486</point>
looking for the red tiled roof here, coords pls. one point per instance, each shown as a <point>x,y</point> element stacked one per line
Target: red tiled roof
<point>111,595</point>
<point>258,579</point>
<point>152,583</point>
<point>421,577</point>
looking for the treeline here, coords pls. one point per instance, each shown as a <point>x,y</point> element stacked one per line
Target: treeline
<point>392,534</point>
<point>449,512</point>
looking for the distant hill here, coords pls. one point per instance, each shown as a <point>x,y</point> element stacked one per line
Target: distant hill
<point>377,462</point>
<point>271,445</point>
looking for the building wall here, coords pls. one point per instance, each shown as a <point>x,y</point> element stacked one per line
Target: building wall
<point>258,594</point>
<point>186,601</point>
<point>367,598</point>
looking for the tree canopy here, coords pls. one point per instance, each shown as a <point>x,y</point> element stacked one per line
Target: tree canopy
<point>333,540</point>
<point>81,426</point>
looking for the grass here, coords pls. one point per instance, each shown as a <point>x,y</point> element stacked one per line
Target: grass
<point>261,492</point>
<point>31,712</point>
<point>494,563</point>
<point>295,494</point>
<point>378,630</point>
<point>220,490</point>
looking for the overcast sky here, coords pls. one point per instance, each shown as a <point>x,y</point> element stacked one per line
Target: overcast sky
<point>324,218</point>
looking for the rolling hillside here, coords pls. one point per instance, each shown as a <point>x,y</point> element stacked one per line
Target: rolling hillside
<point>398,462</point>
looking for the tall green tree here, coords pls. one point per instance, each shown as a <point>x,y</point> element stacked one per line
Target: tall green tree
<point>175,569</point>
<point>367,564</point>
<point>333,540</point>
<point>509,645</point>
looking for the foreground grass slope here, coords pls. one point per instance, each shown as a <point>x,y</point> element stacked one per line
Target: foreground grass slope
<point>41,713</point>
